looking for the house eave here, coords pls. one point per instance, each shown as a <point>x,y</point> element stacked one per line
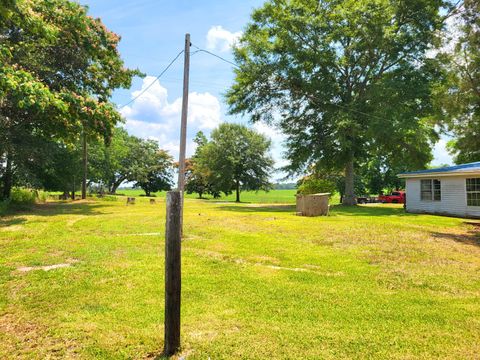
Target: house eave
<point>439,174</point>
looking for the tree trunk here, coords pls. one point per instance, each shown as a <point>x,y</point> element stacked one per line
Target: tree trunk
<point>73,188</point>
<point>8,178</point>
<point>85,166</point>
<point>114,187</point>
<point>349,198</point>
<point>237,189</point>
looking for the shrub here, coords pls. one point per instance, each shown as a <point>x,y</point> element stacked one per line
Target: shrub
<point>42,196</point>
<point>21,196</point>
<point>312,185</point>
<point>4,206</point>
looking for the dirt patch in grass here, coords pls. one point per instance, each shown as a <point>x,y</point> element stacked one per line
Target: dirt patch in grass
<point>26,338</point>
<point>74,220</point>
<point>254,262</point>
<point>12,228</point>
<point>47,267</point>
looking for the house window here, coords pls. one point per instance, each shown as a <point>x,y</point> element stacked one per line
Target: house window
<point>437,190</point>
<point>473,192</point>
<point>430,189</point>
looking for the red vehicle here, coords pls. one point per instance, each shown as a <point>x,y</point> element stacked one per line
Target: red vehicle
<point>396,197</point>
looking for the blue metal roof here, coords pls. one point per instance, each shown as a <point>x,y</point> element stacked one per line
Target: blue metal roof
<point>457,168</point>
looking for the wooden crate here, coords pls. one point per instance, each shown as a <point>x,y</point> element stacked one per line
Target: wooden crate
<point>313,205</point>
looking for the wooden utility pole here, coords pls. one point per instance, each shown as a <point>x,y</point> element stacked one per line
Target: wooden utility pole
<point>85,165</point>
<point>172,273</point>
<point>183,128</point>
<point>173,230</point>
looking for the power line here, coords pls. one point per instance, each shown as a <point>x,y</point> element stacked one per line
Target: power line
<point>215,55</point>
<point>311,97</point>
<point>153,82</point>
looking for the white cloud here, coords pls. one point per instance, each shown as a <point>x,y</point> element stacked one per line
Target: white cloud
<point>153,116</point>
<point>221,39</point>
<point>203,110</point>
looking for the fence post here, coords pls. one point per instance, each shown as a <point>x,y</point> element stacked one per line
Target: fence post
<point>172,273</point>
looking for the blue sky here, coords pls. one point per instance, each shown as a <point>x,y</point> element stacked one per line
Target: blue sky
<point>152,34</point>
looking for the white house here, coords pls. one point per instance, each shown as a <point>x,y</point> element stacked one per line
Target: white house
<point>453,190</point>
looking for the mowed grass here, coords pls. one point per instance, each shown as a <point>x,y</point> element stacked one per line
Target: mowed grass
<point>269,197</point>
<point>369,282</point>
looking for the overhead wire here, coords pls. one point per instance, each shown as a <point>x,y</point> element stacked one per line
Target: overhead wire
<point>199,50</point>
<point>153,82</point>
<point>213,54</point>
<point>311,97</point>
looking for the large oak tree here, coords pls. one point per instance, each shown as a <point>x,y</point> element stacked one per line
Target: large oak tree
<point>345,80</point>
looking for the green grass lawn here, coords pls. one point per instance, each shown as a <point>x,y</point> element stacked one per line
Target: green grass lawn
<point>271,197</point>
<point>369,282</point>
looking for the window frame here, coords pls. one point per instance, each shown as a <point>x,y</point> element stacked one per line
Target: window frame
<point>476,191</point>
<point>434,190</point>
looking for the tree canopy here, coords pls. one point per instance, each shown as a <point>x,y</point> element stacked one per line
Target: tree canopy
<point>129,158</point>
<point>58,68</point>
<point>237,158</point>
<point>344,80</point>
<point>198,179</point>
<point>459,98</point>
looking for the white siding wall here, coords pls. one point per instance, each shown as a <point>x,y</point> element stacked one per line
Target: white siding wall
<point>454,198</point>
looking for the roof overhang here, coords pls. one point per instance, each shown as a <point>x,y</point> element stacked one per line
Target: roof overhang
<point>438,174</point>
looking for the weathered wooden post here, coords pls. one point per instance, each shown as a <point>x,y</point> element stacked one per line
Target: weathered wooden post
<point>173,235</point>
<point>173,230</point>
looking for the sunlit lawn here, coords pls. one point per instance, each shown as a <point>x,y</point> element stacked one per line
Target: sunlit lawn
<point>273,196</point>
<point>258,282</point>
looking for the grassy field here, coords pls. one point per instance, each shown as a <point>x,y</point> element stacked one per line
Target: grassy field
<point>258,282</point>
<point>270,197</point>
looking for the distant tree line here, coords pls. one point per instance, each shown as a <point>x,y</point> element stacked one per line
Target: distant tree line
<point>126,158</point>
<point>285,186</point>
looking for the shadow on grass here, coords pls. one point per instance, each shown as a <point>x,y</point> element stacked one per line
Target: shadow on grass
<point>53,209</point>
<point>249,208</point>
<point>4,222</point>
<point>368,210</point>
<point>472,237</point>
<point>334,209</point>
